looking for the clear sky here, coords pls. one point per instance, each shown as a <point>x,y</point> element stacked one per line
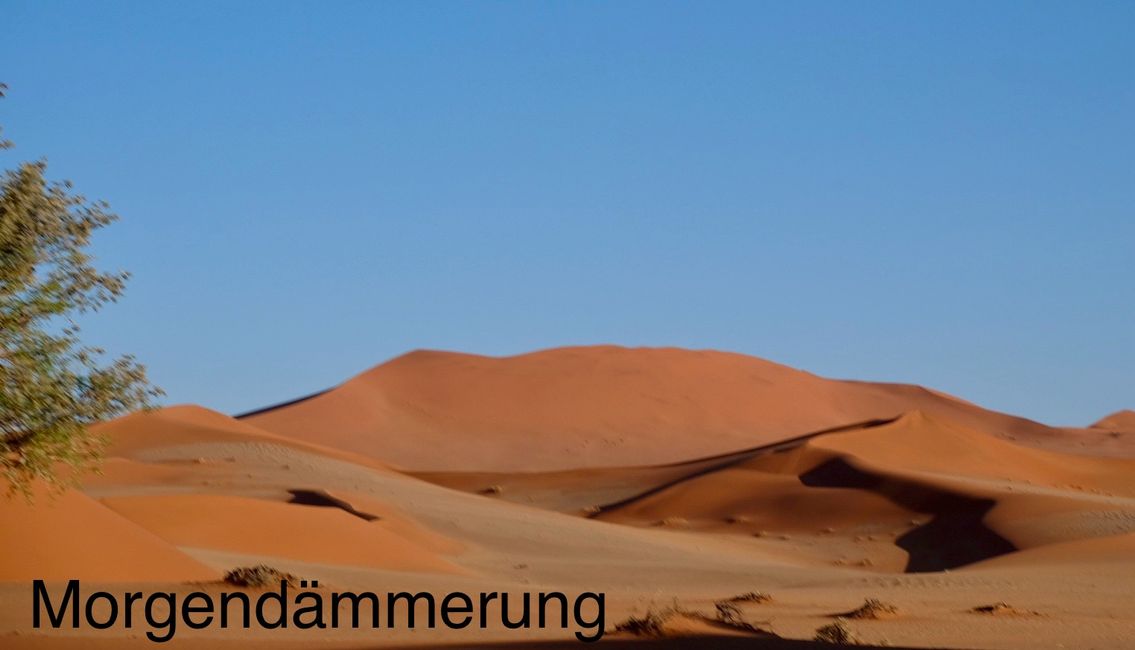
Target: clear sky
<point>940,193</point>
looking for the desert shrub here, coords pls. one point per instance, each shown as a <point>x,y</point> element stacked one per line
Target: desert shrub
<point>751,597</point>
<point>649,624</point>
<point>728,613</point>
<point>836,632</point>
<point>873,608</point>
<point>257,576</point>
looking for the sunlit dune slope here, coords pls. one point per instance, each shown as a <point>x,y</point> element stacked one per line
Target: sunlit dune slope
<point>1119,421</point>
<point>257,527</point>
<point>146,435</point>
<point>71,536</point>
<point>593,407</point>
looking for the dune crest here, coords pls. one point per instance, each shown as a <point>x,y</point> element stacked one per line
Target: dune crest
<point>1119,421</point>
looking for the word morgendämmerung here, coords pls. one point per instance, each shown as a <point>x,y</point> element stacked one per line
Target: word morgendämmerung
<point>307,608</point>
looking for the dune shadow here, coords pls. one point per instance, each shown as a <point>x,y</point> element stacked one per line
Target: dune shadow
<point>955,536</point>
<point>321,499</point>
<point>711,464</point>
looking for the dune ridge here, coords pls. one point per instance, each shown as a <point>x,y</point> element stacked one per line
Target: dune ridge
<point>1119,421</point>
<point>597,406</point>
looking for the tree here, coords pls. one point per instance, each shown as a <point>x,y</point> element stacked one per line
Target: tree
<point>52,388</point>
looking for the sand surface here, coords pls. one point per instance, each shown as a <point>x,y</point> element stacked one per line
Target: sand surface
<point>668,479</point>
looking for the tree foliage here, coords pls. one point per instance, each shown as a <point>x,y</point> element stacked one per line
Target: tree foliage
<point>52,387</point>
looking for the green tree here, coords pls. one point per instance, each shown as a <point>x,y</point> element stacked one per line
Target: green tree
<point>52,387</point>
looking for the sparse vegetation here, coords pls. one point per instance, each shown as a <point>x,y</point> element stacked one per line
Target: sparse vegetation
<point>751,597</point>
<point>837,633</point>
<point>653,623</point>
<point>874,609</point>
<point>649,624</point>
<point>492,490</point>
<point>1002,609</point>
<point>729,614</point>
<point>259,576</point>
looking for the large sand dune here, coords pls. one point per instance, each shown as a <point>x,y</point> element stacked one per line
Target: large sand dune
<point>594,407</point>
<point>659,476</point>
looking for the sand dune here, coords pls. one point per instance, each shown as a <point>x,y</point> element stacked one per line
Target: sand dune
<point>71,535</point>
<point>663,477</point>
<point>594,407</point>
<point>923,481</point>
<point>187,427</point>
<point>263,528</point>
<point>1119,421</point>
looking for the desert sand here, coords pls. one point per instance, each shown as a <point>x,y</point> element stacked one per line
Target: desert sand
<point>671,480</point>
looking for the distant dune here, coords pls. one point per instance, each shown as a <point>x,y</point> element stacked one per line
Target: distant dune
<point>1118,421</point>
<point>596,406</point>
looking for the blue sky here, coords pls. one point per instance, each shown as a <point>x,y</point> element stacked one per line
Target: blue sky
<point>940,193</point>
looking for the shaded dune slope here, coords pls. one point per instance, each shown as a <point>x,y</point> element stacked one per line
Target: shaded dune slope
<point>949,495</point>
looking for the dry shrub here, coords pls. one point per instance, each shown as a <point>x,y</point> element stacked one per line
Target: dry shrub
<point>649,624</point>
<point>874,609</point>
<point>837,633</point>
<point>751,597</point>
<point>258,576</point>
<point>729,614</point>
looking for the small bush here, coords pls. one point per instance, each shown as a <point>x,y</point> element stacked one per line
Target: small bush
<point>837,633</point>
<point>649,624</point>
<point>729,614</point>
<point>492,490</point>
<point>258,576</point>
<point>872,609</point>
<point>751,597</point>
